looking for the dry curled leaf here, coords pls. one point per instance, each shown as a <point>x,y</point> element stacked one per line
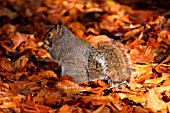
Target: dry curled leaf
<point>25,108</point>
<point>142,72</point>
<point>97,39</point>
<point>29,81</point>
<point>20,63</point>
<point>48,74</point>
<point>142,54</point>
<point>66,109</point>
<point>5,64</point>
<point>42,53</point>
<point>8,29</point>
<point>69,87</point>
<point>154,101</point>
<point>157,80</point>
<point>17,39</point>
<point>133,32</point>
<point>103,108</point>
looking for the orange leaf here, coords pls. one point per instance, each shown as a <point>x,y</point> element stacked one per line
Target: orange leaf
<point>66,109</point>
<point>17,39</point>
<point>97,39</point>
<point>20,63</point>
<point>8,105</point>
<point>69,87</point>
<point>142,54</point>
<point>25,108</point>
<point>5,64</point>
<point>42,53</point>
<point>154,102</point>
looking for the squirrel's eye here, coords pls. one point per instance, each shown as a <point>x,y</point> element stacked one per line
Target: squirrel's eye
<point>49,35</point>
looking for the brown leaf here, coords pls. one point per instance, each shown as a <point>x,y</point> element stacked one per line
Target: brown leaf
<point>142,72</point>
<point>25,108</point>
<point>141,16</point>
<point>14,88</point>
<point>162,36</point>
<point>92,30</point>
<point>133,32</point>
<point>102,109</point>
<point>41,9</point>
<point>98,100</point>
<point>52,98</point>
<point>26,85</point>
<point>66,109</point>
<point>20,63</point>
<point>79,33</point>
<point>35,77</point>
<point>10,101</point>
<point>158,80</point>
<point>167,81</point>
<point>8,29</point>
<point>69,87</point>
<point>31,41</point>
<point>152,42</point>
<point>8,105</point>
<point>76,25</point>
<point>48,96</point>
<point>154,102</point>
<point>142,54</point>
<point>5,64</point>
<point>43,76</point>
<point>42,53</point>
<point>97,39</point>
<point>7,12</point>
<point>17,39</point>
<point>19,75</point>
<point>139,109</point>
<point>48,74</point>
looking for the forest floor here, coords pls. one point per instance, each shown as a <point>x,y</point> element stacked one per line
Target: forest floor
<point>29,81</point>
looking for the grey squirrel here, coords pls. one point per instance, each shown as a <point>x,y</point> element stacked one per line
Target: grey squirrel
<point>84,62</point>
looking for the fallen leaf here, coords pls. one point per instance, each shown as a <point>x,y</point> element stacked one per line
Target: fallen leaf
<point>142,54</point>
<point>154,102</point>
<point>20,63</point>
<point>17,39</point>
<point>142,72</point>
<point>52,98</point>
<point>98,100</point>
<point>133,32</point>
<point>66,109</point>
<point>139,109</point>
<point>48,74</point>
<point>42,53</point>
<point>8,105</point>
<point>5,64</point>
<point>25,108</point>
<point>94,40</point>
<point>8,29</point>
<point>7,12</point>
<point>157,80</point>
<point>102,109</point>
<point>69,87</point>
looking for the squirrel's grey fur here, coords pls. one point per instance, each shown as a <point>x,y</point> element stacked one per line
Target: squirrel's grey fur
<point>84,62</point>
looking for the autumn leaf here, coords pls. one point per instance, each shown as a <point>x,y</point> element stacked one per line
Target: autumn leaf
<point>17,39</point>
<point>30,79</point>
<point>69,87</point>
<point>154,102</point>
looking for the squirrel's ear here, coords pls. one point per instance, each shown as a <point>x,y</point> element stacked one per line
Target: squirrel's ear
<point>59,30</point>
<point>60,24</point>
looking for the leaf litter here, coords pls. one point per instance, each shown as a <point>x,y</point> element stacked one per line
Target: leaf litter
<point>30,80</point>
